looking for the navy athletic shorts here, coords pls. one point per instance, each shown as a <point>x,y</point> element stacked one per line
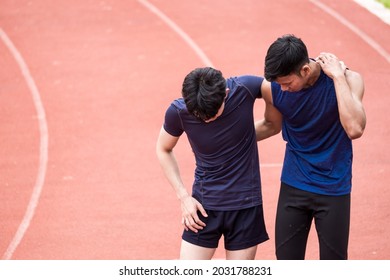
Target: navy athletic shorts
<point>241,229</point>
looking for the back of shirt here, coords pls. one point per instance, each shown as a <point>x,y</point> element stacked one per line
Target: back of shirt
<point>227,174</point>
<point>318,155</point>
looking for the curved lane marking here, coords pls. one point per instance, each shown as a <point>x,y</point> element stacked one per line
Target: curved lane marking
<point>43,149</point>
<point>192,45</point>
<point>371,42</point>
<point>179,31</point>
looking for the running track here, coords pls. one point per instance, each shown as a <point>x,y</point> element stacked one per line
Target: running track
<point>84,86</point>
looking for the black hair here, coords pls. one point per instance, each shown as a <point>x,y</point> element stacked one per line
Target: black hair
<point>285,56</point>
<point>204,90</point>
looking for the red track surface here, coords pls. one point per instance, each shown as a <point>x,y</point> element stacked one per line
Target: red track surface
<point>106,71</point>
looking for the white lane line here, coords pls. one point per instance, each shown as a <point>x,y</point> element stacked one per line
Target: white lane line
<point>193,46</point>
<point>371,42</point>
<point>179,31</point>
<point>376,8</point>
<point>43,149</point>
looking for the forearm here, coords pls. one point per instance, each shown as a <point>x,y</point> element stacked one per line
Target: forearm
<point>265,129</point>
<point>172,173</point>
<point>189,205</point>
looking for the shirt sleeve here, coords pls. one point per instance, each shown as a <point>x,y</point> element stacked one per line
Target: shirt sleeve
<point>253,84</point>
<point>172,122</point>
<point>275,89</point>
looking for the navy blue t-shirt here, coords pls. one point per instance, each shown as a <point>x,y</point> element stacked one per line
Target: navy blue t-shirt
<point>227,173</point>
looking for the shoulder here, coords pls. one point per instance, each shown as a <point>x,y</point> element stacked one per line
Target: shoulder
<point>173,118</point>
<point>178,103</point>
<point>174,110</point>
<point>353,76</point>
<point>246,83</point>
<point>266,91</point>
<point>245,80</point>
<point>176,106</point>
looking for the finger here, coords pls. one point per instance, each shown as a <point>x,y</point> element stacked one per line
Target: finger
<point>343,65</point>
<point>320,61</point>
<point>328,55</point>
<point>202,210</point>
<point>191,225</point>
<point>325,55</point>
<point>320,58</point>
<point>196,223</point>
<point>194,219</point>
<point>183,222</point>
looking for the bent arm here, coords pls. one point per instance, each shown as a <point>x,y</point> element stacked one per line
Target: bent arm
<point>349,91</point>
<point>349,86</point>
<point>167,159</point>
<point>272,122</point>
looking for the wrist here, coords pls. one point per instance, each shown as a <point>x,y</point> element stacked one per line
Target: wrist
<point>182,194</point>
<point>339,77</point>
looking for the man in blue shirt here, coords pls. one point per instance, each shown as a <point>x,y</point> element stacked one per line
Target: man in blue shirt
<point>217,116</point>
<point>320,102</point>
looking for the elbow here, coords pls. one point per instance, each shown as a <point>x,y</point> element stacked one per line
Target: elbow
<point>355,128</point>
<point>162,152</point>
<point>355,132</point>
<point>355,135</point>
<point>159,151</point>
<point>268,132</point>
<point>277,130</point>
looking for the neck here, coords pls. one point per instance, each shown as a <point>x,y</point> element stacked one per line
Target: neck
<point>315,71</point>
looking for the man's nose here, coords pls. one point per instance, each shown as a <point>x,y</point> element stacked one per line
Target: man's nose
<point>284,88</point>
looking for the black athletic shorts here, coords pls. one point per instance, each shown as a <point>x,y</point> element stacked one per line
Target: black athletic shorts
<point>241,229</point>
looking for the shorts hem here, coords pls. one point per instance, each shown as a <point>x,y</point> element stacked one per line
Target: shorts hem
<point>247,244</point>
<point>200,243</point>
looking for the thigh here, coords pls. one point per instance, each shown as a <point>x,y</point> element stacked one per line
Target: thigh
<point>245,254</point>
<point>332,220</point>
<point>293,222</point>
<point>190,251</point>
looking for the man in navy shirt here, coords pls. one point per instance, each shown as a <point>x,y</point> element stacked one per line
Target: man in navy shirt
<point>321,104</point>
<point>217,116</point>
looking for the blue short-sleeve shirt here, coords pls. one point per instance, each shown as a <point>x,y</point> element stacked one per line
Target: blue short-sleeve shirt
<point>227,173</point>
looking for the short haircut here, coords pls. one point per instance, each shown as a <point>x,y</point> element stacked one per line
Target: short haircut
<point>204,91</point>
<point>285,56</point>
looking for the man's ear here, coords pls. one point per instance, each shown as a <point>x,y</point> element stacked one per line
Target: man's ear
<point>227,92</point>
<point>305,70</point>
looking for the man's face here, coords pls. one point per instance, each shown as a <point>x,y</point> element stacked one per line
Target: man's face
<point>292,82</point>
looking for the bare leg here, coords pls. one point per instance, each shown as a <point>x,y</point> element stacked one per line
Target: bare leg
<point>245,254</point>
<point>190,251</point>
